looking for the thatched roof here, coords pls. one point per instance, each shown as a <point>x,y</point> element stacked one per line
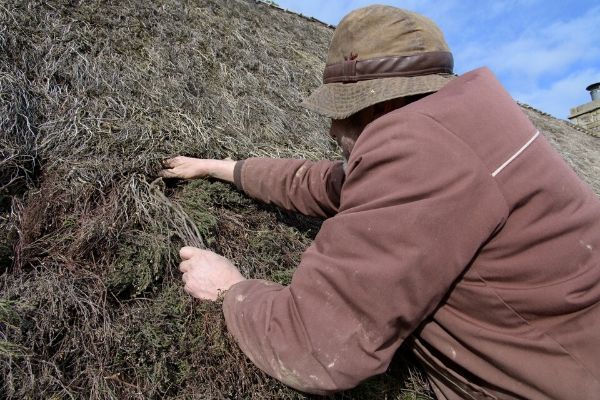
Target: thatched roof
<point>580,149</point>
<point>93,95</point>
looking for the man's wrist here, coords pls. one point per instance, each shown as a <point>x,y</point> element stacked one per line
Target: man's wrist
<point>222,169</point>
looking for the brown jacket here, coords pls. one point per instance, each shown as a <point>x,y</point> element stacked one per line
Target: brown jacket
<point>456,227</point>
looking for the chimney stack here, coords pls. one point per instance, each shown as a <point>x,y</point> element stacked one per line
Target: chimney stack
<point>587,115</point>
<point>594,90</point>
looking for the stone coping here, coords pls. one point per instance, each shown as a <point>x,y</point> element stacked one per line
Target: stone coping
<point>584,108</point>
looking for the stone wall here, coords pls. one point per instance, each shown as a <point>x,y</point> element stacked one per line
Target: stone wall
<point>588,117</point>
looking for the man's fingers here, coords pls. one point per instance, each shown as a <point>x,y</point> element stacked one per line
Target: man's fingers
<point>184,267</point>
<point>167,173</point>
<point>184,278</point>
<point>188,252</point>
<point>171,162</point>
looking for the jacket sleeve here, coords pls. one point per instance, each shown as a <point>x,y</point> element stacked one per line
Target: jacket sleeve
<point>417,205</point>
<point>311,188</point>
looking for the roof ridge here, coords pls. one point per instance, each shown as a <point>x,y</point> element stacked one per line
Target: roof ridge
<point>564,121</point>
<point>285,10</point>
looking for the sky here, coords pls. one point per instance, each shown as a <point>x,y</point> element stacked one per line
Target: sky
<point>545,52</point>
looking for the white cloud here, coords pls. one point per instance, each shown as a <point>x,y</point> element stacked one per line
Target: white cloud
<point>547,66</point>
<point>562,95</point>
<point>538,50</point>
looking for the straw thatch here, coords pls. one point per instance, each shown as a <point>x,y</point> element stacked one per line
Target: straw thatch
<point>93,95</point>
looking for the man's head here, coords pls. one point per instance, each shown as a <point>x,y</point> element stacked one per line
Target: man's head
<point>345,131</point>
<point>379,53</point>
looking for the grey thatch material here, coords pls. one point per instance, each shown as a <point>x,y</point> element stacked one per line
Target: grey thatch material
<point>580,149</point>
<point>93,95</point>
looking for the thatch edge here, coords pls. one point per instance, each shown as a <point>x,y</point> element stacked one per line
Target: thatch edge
<point>306,17</point>
<point>564,121</point>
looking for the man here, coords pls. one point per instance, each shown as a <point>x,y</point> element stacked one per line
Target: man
<point>453,226</point>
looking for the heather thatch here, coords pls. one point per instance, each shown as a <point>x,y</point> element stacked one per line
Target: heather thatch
<point>93,95</point>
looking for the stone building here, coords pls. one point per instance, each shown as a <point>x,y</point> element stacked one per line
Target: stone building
<point>588,115</point>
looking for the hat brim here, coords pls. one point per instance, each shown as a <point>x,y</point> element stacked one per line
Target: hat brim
<point>340,100</point>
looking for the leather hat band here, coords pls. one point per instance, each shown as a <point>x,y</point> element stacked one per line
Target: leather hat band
<point>434,62</point>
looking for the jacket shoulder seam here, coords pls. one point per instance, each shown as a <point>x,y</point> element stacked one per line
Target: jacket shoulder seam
<point>480,161</point>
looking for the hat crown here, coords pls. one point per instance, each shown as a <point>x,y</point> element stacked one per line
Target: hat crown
<point>383,31</point>
<point>379,53</point>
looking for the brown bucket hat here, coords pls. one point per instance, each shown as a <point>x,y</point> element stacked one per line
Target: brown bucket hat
<point>380,53</point>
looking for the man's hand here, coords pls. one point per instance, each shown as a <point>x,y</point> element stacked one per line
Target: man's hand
<point>192,168</point>
<point>205,273</point>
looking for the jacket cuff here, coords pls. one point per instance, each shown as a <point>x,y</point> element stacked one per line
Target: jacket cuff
<point>237,174</point>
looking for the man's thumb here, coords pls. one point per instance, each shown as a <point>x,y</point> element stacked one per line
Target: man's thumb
<point>188,252</point>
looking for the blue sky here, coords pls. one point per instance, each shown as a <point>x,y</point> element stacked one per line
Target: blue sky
<point>544,52</point>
